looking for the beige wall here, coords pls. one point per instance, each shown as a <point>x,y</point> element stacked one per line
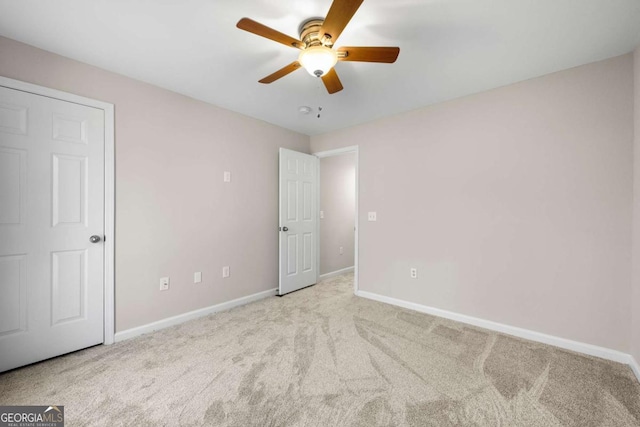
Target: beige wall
<point>174,215</point>
<point>515,204</point>
<point>337,202</point>
<point>635,329</point>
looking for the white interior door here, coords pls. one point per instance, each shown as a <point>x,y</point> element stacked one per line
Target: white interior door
<point>298,220</point>
<point>51,203</point>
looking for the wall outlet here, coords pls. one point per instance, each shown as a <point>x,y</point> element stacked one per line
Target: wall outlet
<point>414,273</point>
<point>226,272</point>
<point>321,214</point>
<point>341,250</point>
<point>227,176</point>
<point>371,216</point>
<point>197,277</point>
<point>164,283</point>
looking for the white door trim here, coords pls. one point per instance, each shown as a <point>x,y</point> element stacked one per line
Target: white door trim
<point>109,189</point>
<point>336,152</point>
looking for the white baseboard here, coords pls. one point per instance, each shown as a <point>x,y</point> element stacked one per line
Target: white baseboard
<point>181,318</point>
<point>336,273</point>
<point>579,347</point>
<point>633,364</point>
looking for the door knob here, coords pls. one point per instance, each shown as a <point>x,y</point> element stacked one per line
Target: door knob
<point>285,228</point>
<point>94,239</point>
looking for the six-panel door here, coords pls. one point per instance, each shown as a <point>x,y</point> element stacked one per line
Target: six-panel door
<point>51,203</point>
<point>298,214</point>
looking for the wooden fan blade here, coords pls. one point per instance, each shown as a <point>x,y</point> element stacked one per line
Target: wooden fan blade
<point>340,13</point>
<point>332,82</point>
<point>281,72</point>
<point>269,33</point>
<point>369,54</point>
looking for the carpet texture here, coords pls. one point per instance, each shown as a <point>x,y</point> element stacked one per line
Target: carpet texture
<point>323,357</point>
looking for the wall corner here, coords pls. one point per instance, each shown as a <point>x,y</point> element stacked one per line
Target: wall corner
<point>635,275</point>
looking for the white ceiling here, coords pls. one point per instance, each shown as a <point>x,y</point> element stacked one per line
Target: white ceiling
<point>449,48</point>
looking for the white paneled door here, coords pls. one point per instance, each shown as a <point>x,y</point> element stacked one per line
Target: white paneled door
<point>51,227</point>
<point>298,220</point>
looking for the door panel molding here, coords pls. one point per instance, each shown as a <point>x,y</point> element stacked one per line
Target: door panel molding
<point>13,311</point>
<point>109,185</point>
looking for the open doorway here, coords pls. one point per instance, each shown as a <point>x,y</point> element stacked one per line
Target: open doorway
<point>338,213</point>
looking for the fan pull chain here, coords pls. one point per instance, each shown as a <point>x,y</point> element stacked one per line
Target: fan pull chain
<point>319,90</point>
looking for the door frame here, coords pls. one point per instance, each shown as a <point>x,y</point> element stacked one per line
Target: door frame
<point>337,152</point>
<point>109,188</point>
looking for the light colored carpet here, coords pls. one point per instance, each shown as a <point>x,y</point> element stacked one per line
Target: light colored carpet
<point>323,357</point>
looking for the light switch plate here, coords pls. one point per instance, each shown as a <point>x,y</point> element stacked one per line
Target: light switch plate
<point>197,277</point>
<point>372,216</point>
<point>226,272</point>
<point>321,214</point>
<point>164,283</point>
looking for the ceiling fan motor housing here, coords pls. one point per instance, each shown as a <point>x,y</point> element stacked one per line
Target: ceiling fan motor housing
<point>310,33</point>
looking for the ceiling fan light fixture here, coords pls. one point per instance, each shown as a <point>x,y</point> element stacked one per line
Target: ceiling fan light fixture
<point>318,60</point>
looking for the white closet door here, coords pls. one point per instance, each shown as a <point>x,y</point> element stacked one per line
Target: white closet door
<point>51,204</point>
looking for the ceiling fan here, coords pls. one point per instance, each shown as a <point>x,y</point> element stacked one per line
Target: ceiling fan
<point>317,37</point>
